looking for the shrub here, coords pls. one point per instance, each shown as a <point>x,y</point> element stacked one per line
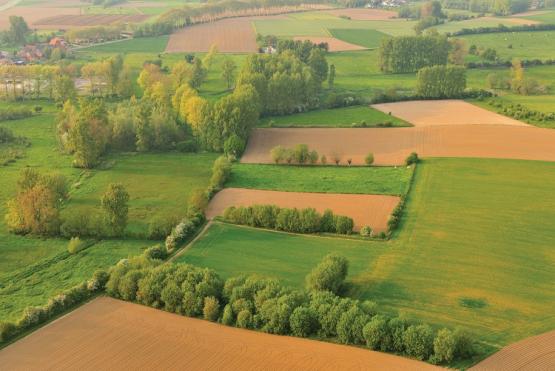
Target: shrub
<point>329,275</point>
<point>411,159</point>
<point>397,327</point>
<point>211,310</point>
<point>160,227</point>
<point>244,319</point>
<point>156,252</point>
<point>234,146</point>
<point>343,224</point>
<point>172,296</point>
<point>301,154</point>
<point>81,223</point>
<point>444,346</point>
<point>31,316</point>
<point>187,146</point>
<point>75,245</point>
<point>327,222</point>
<point>323,160</point>
<point>278,154</point>
<point>350,325</point>
<point>366,231</point>
<point>98,280</point>
<point>419,341</point>
<point>7,330</point>
<point>377,334</point>
<point>313,157</point>
<point>369,159</point>
<point>220,172</point>
<point>184,230</point>
<point>464,347</point>
<point>227,317</point>
<point>303,322</point>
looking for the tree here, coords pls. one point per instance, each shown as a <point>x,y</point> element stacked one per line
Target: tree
<point>517,74</point>
<point>376,333</point>
<point>369,159</point>
<point>211,310</point>
<point>458,51</point>
<point>228,71</point>
<point>304,322</point>
<point>350,325</point>
<point>329,275</point>
<point>418,341</point>
<point>209,57</point>
<point>441,81</point>
<point>404,54</point>
<point>198,74</point>
<point>278,154</point>
<point>331,76</point>
<point>444,346</point>
<point>319,65</point>
<point>114,203</point>
<point>64,88</point>
<point>18,29</point>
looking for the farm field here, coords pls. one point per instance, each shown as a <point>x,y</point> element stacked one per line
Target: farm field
<point>175,340</point>
<point>462,220</point>
<point>547,16</point>
<point>137,45</point>
<point>33,15</point>
<point>367,38</point>
<point>483,22</point>
<point>391,146</point>
<point>322,179</point>
<point>364,14</point>
<point>334,45</point>
<point>88,20</point>
<point>365,210</point>
<point>336,117</point>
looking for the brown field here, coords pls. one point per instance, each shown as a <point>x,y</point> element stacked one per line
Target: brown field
<point>529,13</point>
<point>514,21</point>
<point>107,334</point>
<point>232,35</point>
<point>532,354</point>
<point>444,112</point>
<point>34,14</point>
<point>392,145</point>
<point>335,45</point>
<point>364,14</point>
<point>371,210</point>
<point>60,21</point>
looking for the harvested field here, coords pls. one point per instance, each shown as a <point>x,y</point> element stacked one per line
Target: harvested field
<point>371,210</point>
<point>392,145</point>
<point>233,35</point>
<point>90,20</point>
<point>33,14</point>
<point>335,45</point>
<point>360,14</point>
<point>535,353</point>
<point>111,334</point>
<point>444,112</point>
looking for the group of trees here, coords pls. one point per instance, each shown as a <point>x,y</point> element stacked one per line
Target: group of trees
<point>17,33</point>
<point>35,81</point>
<point>93,34</point>
<point>429,14</point>
<point>289,220</point>
<point>515,80</point>
<point>441,81</point>
<point>404,54</point>
<point>108,77</point>
<point>264,304</point>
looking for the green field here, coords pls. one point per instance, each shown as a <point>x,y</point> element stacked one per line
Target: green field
<point>337,117</point>
<point>474,249</point>
<point>322,179</point>
<point>547,16</point>
<point>368,38</point>
<point>475,23</point>
<point>522,45</point>
<point>141,44</point>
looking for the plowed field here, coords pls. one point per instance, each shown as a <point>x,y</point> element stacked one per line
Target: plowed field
<point>335,45</point>
<point>90,20</point>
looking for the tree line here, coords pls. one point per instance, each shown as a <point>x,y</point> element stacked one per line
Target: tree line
<point>404,54</point>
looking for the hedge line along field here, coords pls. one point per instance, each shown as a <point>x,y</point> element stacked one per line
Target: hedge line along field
<point>474,236</point>
<point>335,117</point>
<point>322,179</point>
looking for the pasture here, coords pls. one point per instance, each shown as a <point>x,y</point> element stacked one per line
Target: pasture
<point>137,45</point>
<point>368,38</point>
<point>466,253</point>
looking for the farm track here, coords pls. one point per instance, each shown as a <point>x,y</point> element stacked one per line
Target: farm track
<point>371,210</point>
<point>130,336</point>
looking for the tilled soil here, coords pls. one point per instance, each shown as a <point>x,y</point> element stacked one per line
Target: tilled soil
<point>335,45</point>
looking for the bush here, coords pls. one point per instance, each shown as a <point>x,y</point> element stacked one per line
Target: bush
<point>15,113</point>
<point>160,227</point>
<point>350,325</point>
<point>244,319</point>
<point>7,330</point>
<point>377,334</point>
<point>227,317</point>
<point>444,346</point>
<point>464,347</point>
<point>211,310</point>
<point>278,154</point>
<point>411,159</point>
<point>343,224</point>
<point>183,231</point>
<point>98,280</point>
<point>304,322</point>
<point>220,172</point>
<point>327,222</point>
<point>158,252</point>
<point>369,159</point>
<point>366,231</point>
<point>187,146</point>
<point>419,341</point>
<point>80,223</point>
<point>234,146</point>
<point>75,245</point>
<point>397,327</point>
<point>329,275</point>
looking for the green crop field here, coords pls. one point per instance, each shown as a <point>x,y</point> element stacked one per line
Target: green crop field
<point>475,235</point>
<point>324,179</point>
<point>368,38</point>
<point>547,16</point>
<point>475,23</point>
<point>337,117</point>
<point>141,44</point>
<point>522,45</point>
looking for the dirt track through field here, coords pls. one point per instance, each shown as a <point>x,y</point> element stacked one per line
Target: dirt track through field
<point>232,35</point>
<point>532,354</point>
<point>391,146</point>
<point>444,112</point>
<point>371,210</point>
<point>110,334</point>
<point>335,45</point>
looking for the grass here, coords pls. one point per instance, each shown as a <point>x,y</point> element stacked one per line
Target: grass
<point>337,117</point>
<point>547,17</point>
<point>322,179</point>
<point>522,45</point>
<point>474,250</point>
<point>141,44</point>
<point>475,23</point>
<point>367,38</point>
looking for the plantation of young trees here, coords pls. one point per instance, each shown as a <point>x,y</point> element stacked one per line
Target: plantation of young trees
<point>441,81</point>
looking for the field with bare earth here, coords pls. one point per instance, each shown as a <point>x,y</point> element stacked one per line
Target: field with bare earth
<point>33,15</point>
<point>532,354</point>
<point>360,14</point>
<point>112,334</point>
<point>89,20</point>
<point>444,112</point>
<point>371,210</point>
<point>335,45</point>
<point>232,35</point>
<point>391,146</point>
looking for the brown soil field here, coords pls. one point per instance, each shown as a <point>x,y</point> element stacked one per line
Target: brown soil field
<point>34,14</point>
<point>514,21</point>
<point>391,146</point>
<point>533,354</point>
<point>360,14</point>
<point>61,21</point>
<point>108,334</point>
<point>444,112</point>
<point>371,210</point>
<point>232,35</point>
<point>335,45</point>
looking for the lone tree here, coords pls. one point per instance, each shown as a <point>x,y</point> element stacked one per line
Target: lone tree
<point>114,202</point>
<point>329,274</point>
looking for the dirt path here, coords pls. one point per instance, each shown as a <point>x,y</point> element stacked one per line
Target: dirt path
<point>532,354</point>
<point>111,334</point>
<point>445,112</point>
<point>371,210</point>
<point>391,146</point>
<point>192,242</point>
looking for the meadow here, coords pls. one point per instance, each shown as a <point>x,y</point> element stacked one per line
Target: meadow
<point>474,234</point>
<point>149,44</point>
<point>336,117</point>
<point>321,179</point>
<point>368,38</point>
